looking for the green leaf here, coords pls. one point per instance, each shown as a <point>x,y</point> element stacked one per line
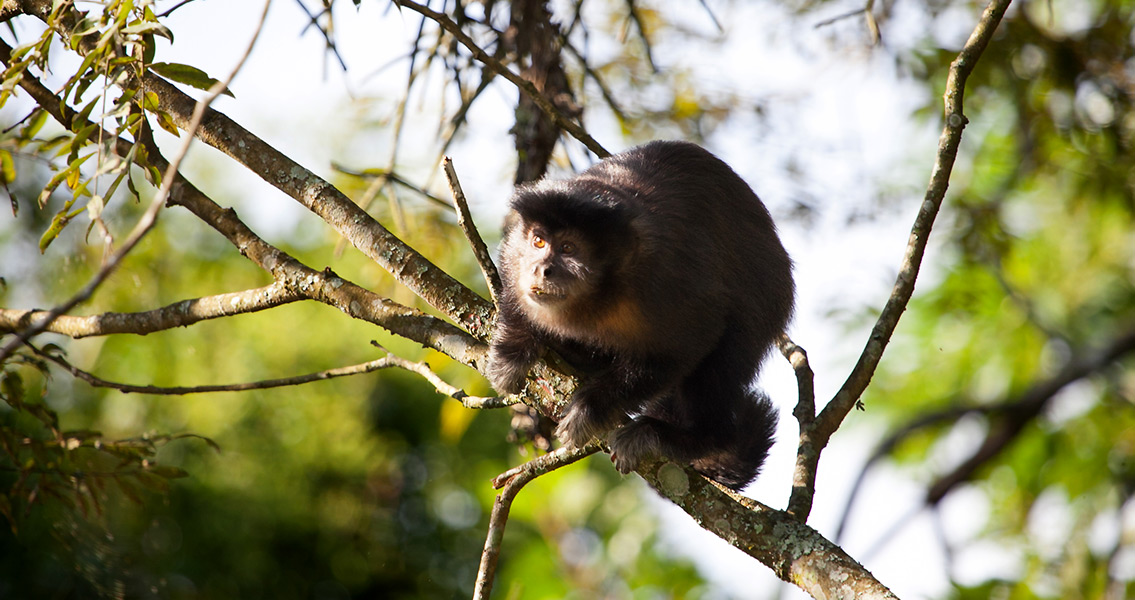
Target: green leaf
<point>189,75</point>
<point>59,177</point>
<point>12,388</point>
<point>167,123</point>
<point>34,124</point>
<point>7,168</point>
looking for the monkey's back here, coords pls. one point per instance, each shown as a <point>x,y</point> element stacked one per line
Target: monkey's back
<point>708,256</point>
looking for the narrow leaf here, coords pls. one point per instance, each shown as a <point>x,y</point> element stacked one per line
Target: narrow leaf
<point>187,74</point>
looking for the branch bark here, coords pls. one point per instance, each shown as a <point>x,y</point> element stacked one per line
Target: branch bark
<point>179,314</point>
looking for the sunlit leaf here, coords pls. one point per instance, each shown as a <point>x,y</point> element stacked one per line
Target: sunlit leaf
<point>187,74</point>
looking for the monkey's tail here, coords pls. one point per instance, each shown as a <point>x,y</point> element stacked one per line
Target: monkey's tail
<point>737,464</point>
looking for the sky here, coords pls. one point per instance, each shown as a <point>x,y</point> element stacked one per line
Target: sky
<point>838,133</point>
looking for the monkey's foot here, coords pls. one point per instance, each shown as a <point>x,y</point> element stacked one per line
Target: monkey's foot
<point>580,425</point>
<point>507,376</point>
<point>632,443</point>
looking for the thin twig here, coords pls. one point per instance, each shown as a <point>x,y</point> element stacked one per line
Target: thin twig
<point>465,222</point>
<point>383,175</point>
<point>175,7</point>
<point>386,362</point>
<point>513,481</point>
<point>647,51</point>
<point>313,19</point>
<point>442,387</point>
<point>527,87</point>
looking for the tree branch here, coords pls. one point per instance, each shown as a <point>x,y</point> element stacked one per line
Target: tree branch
<point>513,481</point>
<point>795,552</point>
<point>960,69</point>
<point>804,476</point>
<point>1011,417</point>
<point>179,314</point>
<point>385,362</point>
<point>407,265</point>
<point>465,222</point>
<point>322,286</point>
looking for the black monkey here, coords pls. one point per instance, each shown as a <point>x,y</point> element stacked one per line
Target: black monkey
<point>660,272</point>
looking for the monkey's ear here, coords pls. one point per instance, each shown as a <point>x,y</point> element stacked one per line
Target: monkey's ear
<point>511,221</point>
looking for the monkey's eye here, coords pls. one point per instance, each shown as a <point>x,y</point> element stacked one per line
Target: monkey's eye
<point>539,242</point>
<point>567,248</point>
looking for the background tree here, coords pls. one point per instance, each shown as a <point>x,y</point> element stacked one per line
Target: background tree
<point>1008,381</point>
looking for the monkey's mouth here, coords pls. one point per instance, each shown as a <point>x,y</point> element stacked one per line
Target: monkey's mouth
<point>542,294</point>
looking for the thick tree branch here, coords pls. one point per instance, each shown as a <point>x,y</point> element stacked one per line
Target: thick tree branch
<point>794,551</point>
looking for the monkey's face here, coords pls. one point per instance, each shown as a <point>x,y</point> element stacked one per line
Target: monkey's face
<point>554,269</point>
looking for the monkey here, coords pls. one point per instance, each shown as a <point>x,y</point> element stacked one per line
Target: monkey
<point>659,273</point>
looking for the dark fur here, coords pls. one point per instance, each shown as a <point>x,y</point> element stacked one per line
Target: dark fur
<point>663,271</point>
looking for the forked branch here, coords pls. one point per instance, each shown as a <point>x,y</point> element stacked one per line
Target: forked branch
<point>828,421</point>
<point>512,481</point>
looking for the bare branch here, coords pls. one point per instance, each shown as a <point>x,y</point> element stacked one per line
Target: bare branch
<point>804,476</point>
<point>647,50</point>
<point>1026,409</point>
<point>385,362</point>
<point>313,20</point>
<point>513,481</point>
<point>815,434</point>
<point>423,369</point>
<point>465,221</point>
<point>1009,420</point>
<point>794,551</point>
<point>407,265</point>
<point>179,314</point>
